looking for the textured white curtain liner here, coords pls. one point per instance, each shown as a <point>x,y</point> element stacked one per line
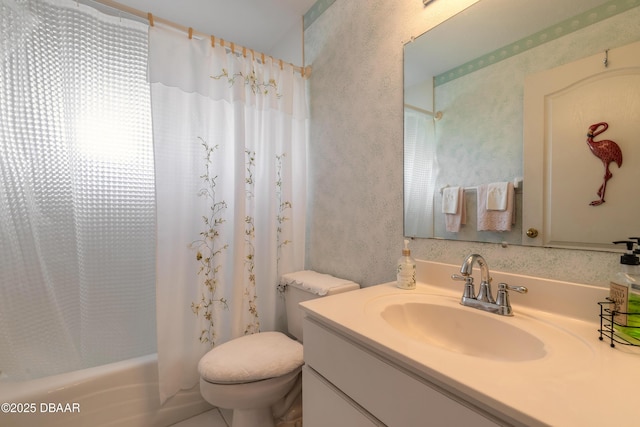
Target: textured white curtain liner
<point>419,174</point>
<point>188,104</point>
<point>76,246</point>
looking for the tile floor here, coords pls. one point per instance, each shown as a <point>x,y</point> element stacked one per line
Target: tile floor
<point>222,418</point>
<point>212,418</point>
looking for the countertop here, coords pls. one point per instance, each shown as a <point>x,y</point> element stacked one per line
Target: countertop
<point>581,381</point>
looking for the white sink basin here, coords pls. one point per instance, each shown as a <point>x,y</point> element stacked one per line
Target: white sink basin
<point>440,322</point>
<point>463,330</point>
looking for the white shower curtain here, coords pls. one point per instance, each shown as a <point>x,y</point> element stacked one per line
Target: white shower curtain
<point>77,206</point>
<point>230,160</point>
<point>420,171</point>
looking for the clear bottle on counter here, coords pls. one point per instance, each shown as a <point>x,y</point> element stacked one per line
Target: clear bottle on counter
<point>406,271</point>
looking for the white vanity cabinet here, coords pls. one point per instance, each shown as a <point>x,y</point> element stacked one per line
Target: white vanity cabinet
<point>347,384</point>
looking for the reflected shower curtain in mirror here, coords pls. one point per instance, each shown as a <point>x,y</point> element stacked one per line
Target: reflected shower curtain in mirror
<point>419,173</point>
<point>230,156</point>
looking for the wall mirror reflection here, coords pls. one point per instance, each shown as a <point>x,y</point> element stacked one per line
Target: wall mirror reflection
<point>465,119</point>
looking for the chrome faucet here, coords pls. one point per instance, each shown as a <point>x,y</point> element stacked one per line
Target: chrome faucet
<point>484,300</point>
<point>484,294</point>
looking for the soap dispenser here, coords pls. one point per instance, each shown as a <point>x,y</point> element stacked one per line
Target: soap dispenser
<point>406,271</point>
<point>624,290</point>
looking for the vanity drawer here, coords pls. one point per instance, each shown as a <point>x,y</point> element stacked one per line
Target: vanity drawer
<point>393,396</point>
<point>324,405</point>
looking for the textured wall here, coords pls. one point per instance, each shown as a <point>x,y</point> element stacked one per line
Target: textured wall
<point>482,124</point>
<point>355,227</point>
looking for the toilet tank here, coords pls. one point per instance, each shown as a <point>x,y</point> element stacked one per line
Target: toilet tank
<point>295,294</point>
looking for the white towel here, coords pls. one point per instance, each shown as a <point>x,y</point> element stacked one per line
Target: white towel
<point>453,221</point>
<point>496,220</point>
<point>497,196</point>
<point>450,200</point>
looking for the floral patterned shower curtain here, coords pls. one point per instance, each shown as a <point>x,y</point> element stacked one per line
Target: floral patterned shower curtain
<point>230,158</point>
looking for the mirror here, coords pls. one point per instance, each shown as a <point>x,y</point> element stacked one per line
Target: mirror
<point>464,84</point>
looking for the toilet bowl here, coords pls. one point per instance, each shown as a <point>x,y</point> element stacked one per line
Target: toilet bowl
<point>255,375</point>
<point>250,374</point>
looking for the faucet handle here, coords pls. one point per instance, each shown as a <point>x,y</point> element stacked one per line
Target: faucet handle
<point>502,299</point>
<point>469,290</point>
<point>519,289</point>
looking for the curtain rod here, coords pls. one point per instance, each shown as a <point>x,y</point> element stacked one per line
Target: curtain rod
<point>436,116</point>
<point>234,48</point>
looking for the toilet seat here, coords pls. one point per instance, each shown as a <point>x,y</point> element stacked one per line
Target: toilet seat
<point>251,358</point>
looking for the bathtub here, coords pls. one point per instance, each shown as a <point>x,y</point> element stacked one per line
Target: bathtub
<point>118,394</point>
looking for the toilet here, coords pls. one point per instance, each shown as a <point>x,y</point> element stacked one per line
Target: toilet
<point>258,376</point>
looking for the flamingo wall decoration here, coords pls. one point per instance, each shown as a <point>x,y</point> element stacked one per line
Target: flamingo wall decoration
<point>607,151</point>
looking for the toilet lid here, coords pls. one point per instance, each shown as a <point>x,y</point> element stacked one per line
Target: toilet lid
<point>251,358</point>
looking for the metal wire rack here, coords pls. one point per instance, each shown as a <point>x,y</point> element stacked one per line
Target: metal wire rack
<point>608,322</point>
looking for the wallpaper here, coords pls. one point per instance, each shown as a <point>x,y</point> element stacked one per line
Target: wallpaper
<point>355,225</point>
<point>482,124</point>
<point>544,36</point>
